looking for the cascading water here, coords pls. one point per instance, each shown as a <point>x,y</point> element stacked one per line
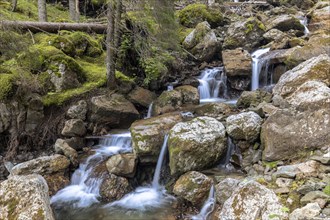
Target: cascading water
<point>304,21</point>
<point>149,114</point>
<point>84,188</point>
<point>257,66</point>
<point>207,208</point>
<point>232,149</point>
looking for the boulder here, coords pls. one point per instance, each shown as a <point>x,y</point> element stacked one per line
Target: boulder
<point>319,17</point>
<point>189,140</point>
<point>287,133</point>
<point>312,184</point>
<point>168,101</point>
<point>148,135</point>
<point>253,98</point>
<point>78,111</point>
<point>313,196</point>
<point>252,200</point>
<point>237,62</point>
<point>62,147</point>
<point>25,197</point>
<point>285,23</point>
<point>42,165</point>
<point>306,169</point>
<point>56,182</point>
<point>113,110</point>
<point>193,186</point>
<point>74,127</point>
<point>274,35</point>
<point>5,118</point>
<point>190,94</point>
<point>309,211</point>
<point>34,112</point>
<point>141,96</point>
<point>244,126</point>
<point>224,189</point>
<point>122,165</point>
<point>114,188</point>
<point>214,110</point>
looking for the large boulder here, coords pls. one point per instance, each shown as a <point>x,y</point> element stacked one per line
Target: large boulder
<point>122,165</point>
<point>141,96</point>
<point>189,140</point>
<point>237,62</point>
<point>114,188</point>
<point>74,127</point>
<point>285,23</point>
<point>25,197</point>
<point>193,186</point>
<point>309,211</point>
<point>113,110</point>
<point>148,135</point>
<point>252,200</point>
<point>244,126</point>
<point>287,133</point>
<point>168,101</point>
<point>225,188</point>
<point>214,110</point>
<point>253,98</point>
<point>320,17</point>
<point>190,94</point>
<point>306,169</point>
<point>78,111</point>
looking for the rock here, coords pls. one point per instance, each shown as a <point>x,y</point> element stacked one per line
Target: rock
<point>122,165</point>
<point>311,185</point>
<point>148,135</point>
<point>35,112</point>
<point>189,94</point>
<point>189,140</point>
<point>113,110</point>
<point>244,126</point>
<point>307,169</point>
<point>194,187</point>
<point>225,188</point>
<point>285,23</point>
<point>287,133</point>
<point>309,211</point>
<point>252,200</point>
<point>253,98</point>
<point>141,96</point>
<point>282,190</point>
<point>274,35</point>
<point>25,197</point>
<point>77,143</point>
<point>237,62</point>
<point>266,108</point>
<point>114,188</point>
<point>74,127</point>
<point>56,182</point>
<point>5,118</point>
<point>283,182</point>
<point>315,68</point>
<point>313,196</point>
<point>319,17</point>
<point>78,111</point>
<point>240,83</point>
<point>168,101</point>
<point>202,42</point>
<point>214,110</point>
<point>324,159</point>
<point>42,165</point>
<point>62,147</point>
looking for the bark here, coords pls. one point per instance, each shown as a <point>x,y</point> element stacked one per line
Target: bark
<point>117,31</point>
<point>72,9</point>
<point>77,10</point>
<point>53,27</point>
<point>110,61</point>
<point>14,2</point>
<point>42,10</point>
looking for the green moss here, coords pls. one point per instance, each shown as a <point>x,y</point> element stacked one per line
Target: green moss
<point>39,215</point>
<point>184,32</point>
<point>326,190</point>
<point>253,23</point>
<point>6,85</point>
<point>230,43</point>
<point>271,165</point>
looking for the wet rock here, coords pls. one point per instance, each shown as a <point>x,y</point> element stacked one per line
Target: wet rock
<point>25,197</point>
<point>309,211</point>
<point>253,98</point>
<point>313,196</point>
<point>190,94</point>
<point>225,188</point>
<point>244,126</point>
<point>148,135</point>
<point>237,62</point>
<point>42,165</point>
<point>114,188</point>
<point>307,169</point>
<point>285,23</point>
<point>168,101</point>
<point>214,110</point>
<point>189,140</point>
<point>78,111</point>
<point>252,200</point>
<point>193,186</point>
<point>4,118</point>
<point>122,165</point>
<point>62,147</point>
<point>113,110</point>
<point>287,133</point>
<point>56,182</point>
<point>141,96</point>
<point>74,127</point>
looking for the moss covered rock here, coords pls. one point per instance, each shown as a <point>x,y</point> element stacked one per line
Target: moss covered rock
<point>285,23</point>
<point>168,101</point>
<point>215,110</point>
<point>253,98</point>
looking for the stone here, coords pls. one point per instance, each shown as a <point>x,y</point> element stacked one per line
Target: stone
<point>62,147</point>
<point>244,126</point>
<point>224,189</point>
<point>309,211</point>
<point>284,23</point>
<point>148,135</point>
<point>313,196</point>
<point>273,35</point>
<point>324,159</point>
<point>306,169</point>
<point>287,133</point>
<point>77,143</point>
<point>34,112</point>
<point>78,111</point>
<point>193,186</point>
<point>114,188</point>
<point>311,185</point>
<point>122,165</point>
<point>141,96</point>
<point>252,200</point>
<point>189,140</point>
<point>282,190</point>
<point>113,110</point>
<point>56,182</point>
<point>237,62</point>
<point>283,182</point>
<point>240,83</point>
<point>42,165</point>
<point>25,197</point>
<point>253,98</point>
<point>319,17</point>
<point>5,118</point>
<point>74,127</point>
<point>190,94</point>
<point>218,111</point>
<point>168,101</point>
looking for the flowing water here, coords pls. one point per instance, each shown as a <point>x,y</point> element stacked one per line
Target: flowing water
<point>304,21</point>
<point>232,155</point>
<point>257,67</point>
<point>149,114</point>
<point>207,208</point>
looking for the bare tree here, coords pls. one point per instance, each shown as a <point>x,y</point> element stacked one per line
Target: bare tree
<point>42,10</point>
<point>74,10</point>
<point>117,31</point>
<point>110,59</point>
<point>14,5</point>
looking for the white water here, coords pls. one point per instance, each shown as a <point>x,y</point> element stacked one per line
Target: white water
<point>144,198</point>
<point>84,188</point>
<point>231,150</point>
<point>207,208</point>
<point>149,114</point>
<point>304,21</point>
<point>257,64</point>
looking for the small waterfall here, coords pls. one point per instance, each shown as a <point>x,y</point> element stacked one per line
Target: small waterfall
<point>304,21</point>
<point>232,149</point>
<point>149,114</point>
<point>207,208</point>
<point>155,181</point>
<point>257,65</point>
<point>84,188</point>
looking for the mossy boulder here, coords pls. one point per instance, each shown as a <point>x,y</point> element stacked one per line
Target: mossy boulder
<point>196,144</point>
<point>285,23</point>
<point>190,94</point>
<point>214,110</point>
<point>7,85</point>
<point>319,17</point>
<point>141,96</point>
<point>253,98</point>
<point>168,101</point>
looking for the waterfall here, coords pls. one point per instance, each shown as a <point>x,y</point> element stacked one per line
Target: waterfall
<point>207,208</point>
<point>84,188</point>
<point>257,65</point>
<point>149,114</point>
<point>304,21</point>
<point>155,181</point>
<point>232,149</point>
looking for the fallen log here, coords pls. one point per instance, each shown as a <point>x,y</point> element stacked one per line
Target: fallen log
<point>54,27</point>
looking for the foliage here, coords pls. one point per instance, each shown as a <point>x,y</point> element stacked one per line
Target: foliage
<point>6,85</point>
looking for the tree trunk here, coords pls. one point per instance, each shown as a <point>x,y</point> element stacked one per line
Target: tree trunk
<point>77,10</point>
<point>117,30</point>
<point>72,9</point>
<point>14,2</point>
<point>110,62</point>
<point>53,27</point>
<point>42,10</point>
